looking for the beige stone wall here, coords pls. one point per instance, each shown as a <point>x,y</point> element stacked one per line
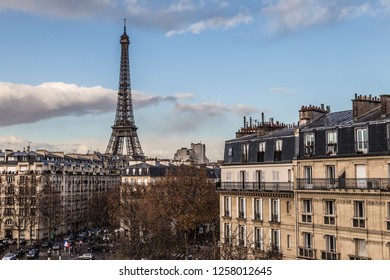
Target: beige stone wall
<point>286,224</point>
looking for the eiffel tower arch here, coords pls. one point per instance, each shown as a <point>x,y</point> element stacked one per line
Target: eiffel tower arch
<point>124,130</point>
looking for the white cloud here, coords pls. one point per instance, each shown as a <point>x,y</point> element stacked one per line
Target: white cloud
<point>215,109</point>
<point>27,104</point>
<point>215,23</point>
<point>182,6</point>
<point>289,15</point>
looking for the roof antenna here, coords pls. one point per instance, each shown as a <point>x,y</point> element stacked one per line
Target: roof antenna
<point>124,25</point>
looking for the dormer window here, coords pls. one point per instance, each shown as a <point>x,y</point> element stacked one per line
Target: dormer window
<point>230,152</point>
<point>278,150</point>
<point>331,142</point>
<point>245,152</point>
<point>309,143</point>
<point>362,140</point>
<point>260,154</point>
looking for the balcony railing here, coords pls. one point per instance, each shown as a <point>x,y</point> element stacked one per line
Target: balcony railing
<point>356,257</point>
<point>307,253</point>
<point>327,255</point>
<point>350,183</point>
<point>256,186</point>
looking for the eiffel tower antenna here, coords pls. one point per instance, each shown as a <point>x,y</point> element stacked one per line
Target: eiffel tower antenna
<point>124,129</point>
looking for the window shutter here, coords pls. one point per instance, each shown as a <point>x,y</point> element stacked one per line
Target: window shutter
<point>244,207</point>
<point>261,239</point>
<point>238,206</point>
<point>278,204</point>
<point>253,208</point>
<point>261,208</point>
<point>270,209</point>
<point>279,241</point>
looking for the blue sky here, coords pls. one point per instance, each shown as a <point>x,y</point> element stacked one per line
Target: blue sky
<point>197,67</point>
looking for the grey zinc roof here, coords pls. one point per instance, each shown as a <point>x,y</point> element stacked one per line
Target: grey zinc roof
<point>285,132</point>
<point>331,119</point>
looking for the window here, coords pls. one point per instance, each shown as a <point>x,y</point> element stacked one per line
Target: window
<point>388,138</point>
<point>241,208</point>
<point>230,152</point>
<point>309,143</point>
<point>331,142</point>
<point>308,173</point>
<point>245,152</point>
<point>258,238</point>
<point>274,210</point>
<point>330,175</point>
<point>227,206</point>
<point>362,140</point>
<point>330,248</point>
<point>275,239</point>
<point>9,222</point>
<point>278,150</point>
<point>359,220</point>
<point>388,215</point>
<point>242,236</point>
<point>307,251</point>
<point>8,211</point>
<point>259,177</point>
<point>330,243</point>
<point>360,249</point>
<point>257,209</point>
<point>288,241</point>
<point>307,211</point>
<point>307,240</point>
<point>329,213</point>
<point>275,176</point>
<point>260,154</point>
<point>227,233</point>
<point>278,145</point>
<point>288,207</point>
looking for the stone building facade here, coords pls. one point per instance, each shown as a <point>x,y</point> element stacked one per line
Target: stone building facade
<point>44,193</point>
<point>338,206</point>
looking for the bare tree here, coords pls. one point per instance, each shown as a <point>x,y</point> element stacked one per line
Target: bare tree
<point>49,204</point>
<point>186,198</point>
<point>237,247</point>
<point>18,194</point>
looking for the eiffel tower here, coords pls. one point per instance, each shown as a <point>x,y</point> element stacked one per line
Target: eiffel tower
<point>124,125</point>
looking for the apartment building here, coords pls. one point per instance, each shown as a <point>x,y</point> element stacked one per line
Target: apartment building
<point>342,189</point>
<point>256,190</point>
<point>337,167</point>
<point>44,192</point>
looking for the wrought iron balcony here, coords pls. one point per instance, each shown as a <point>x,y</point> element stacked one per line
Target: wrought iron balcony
<point>255,186</point>
<point>356,257</point>
<point>307,253</point>
<point>349,183</point>
<point>327,255</point>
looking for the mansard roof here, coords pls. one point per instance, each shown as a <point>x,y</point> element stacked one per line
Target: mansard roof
<point>276,134</point>
<point>340,118</point>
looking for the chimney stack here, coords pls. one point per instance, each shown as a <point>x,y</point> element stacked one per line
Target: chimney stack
<point>362,105</point>
<point>385,105</point>
<point>310,113</point>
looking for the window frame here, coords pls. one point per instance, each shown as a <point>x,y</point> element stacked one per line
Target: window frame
<point>331,142</point>
<point>362,144</point>
<point>359,213</point>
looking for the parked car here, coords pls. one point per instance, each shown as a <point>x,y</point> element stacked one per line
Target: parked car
<point>32,254</point>
<point>57,246</point>
<point>10,256</point>
<point>99,248</point>
<point>20,252</point>
<point>22,241</point>
<point>86,256</point>
<point>46,244</point>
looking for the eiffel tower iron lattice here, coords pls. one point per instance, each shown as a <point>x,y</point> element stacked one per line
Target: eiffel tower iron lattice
<point>124,125</point>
